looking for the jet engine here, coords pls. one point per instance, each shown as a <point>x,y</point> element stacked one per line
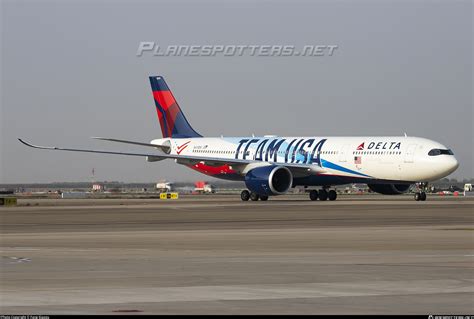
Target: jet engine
<point>269,180</point>
<point>389,189</point>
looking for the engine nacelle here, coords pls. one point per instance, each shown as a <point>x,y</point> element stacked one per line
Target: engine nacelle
<point>269,180</point>
<point>389,189</point>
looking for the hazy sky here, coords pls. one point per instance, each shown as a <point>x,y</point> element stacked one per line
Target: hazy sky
<point>70,71</point>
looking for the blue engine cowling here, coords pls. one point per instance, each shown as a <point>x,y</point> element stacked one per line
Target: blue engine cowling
<point>269,180</point>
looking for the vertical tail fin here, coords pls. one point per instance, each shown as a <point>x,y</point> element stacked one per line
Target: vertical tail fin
<point>172,120</point>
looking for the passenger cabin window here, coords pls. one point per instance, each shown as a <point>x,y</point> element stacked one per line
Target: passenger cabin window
<point>437,151</point>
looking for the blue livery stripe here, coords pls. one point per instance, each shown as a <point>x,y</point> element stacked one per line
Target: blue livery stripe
<point>327,164</point>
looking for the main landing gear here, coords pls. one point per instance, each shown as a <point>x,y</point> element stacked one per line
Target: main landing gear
<point>322,194</point>
<point>420,195</point>
<point>246,195</point>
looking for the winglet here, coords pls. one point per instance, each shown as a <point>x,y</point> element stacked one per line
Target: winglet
<point>23,142</point>
<point>36,146</point>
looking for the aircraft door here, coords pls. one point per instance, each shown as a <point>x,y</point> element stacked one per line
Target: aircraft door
<point>410,153</point>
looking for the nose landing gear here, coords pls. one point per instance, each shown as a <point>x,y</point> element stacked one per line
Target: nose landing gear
<point>420,195</point>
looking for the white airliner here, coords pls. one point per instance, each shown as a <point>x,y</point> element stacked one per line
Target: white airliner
<point>271,165</point>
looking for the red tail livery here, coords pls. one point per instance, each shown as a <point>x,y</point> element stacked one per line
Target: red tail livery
<point>172,120</point>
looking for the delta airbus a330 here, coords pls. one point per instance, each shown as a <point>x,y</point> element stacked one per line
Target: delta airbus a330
<point>271,165</point>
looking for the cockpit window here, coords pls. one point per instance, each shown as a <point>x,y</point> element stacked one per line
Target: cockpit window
<point>437,151</point>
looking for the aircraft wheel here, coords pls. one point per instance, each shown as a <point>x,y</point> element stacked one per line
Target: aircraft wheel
<point>254,196</point>
<point>313,195</point>
<point>417,196</point>
<point>323,194</point>
<point>264,197</point>
<point>245,195</point>
<point>422,196</point>
<point>332,195</point>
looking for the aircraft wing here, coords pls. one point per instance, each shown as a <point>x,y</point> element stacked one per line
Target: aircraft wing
<point>164,148</point>
<point>296,169</point>
<point>54,148</point>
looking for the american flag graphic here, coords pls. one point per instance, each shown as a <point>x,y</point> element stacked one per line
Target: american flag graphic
<point>357,160</point>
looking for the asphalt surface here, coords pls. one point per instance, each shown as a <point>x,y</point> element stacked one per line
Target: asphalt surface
<point>218,255</point>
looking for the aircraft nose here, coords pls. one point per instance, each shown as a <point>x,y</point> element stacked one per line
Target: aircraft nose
<point>450,164</point>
